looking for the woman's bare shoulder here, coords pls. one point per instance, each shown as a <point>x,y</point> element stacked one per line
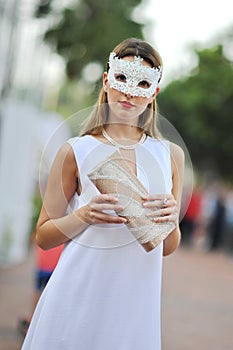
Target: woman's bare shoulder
<point>64,160</point>
<point>177,152</point>
<point>66,153</point>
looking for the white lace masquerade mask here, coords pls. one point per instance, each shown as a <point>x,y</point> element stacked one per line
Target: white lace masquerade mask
<point>132,77</point>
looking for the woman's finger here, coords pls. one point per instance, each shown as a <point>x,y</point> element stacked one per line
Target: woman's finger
<point>163,219</point>
<point>106,206</point>
<point>158,204</point>
<point>100,217</point>
<point>158,197</point>
<point>103,198</point>
<point>163,212</point>
<point>105,202</point>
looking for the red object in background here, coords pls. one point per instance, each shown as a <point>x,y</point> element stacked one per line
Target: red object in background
<point>194,208</point>
<point>46,260</point>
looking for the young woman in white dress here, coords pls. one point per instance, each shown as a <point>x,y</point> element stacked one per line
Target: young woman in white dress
<point>105,292</point>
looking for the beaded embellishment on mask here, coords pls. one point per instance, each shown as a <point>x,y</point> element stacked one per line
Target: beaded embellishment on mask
<point>132,77</point>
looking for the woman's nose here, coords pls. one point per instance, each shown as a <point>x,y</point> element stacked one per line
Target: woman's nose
<point>128,95</point>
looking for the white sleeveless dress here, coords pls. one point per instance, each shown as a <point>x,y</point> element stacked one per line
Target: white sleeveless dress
<point>105,293</point>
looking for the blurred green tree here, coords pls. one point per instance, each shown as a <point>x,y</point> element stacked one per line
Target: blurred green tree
<point>88,29</point>
<point>200,107</point>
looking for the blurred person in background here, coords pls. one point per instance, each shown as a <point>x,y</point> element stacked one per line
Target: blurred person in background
<point>217,221</point>
<point>228,243</point>
<point>191,221</point>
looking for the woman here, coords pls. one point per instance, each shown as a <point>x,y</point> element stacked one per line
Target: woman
<point>105,290</point>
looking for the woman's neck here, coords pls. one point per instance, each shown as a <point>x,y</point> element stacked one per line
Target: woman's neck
<point>123,131</point>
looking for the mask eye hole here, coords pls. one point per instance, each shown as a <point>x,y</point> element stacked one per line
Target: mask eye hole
<point>120,77</point>
<point>144,84</point>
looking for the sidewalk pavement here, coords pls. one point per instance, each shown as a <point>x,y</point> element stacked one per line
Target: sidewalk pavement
<point>16,292</point>
<point>197,302</point>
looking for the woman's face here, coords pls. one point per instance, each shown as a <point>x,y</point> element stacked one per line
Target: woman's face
<point>124,106</point>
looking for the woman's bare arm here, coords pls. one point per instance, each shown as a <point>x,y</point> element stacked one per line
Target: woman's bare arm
<point>54,227</point>
<point>177,160</point>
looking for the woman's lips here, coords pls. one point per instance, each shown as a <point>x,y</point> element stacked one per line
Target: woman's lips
<point>126,104</point>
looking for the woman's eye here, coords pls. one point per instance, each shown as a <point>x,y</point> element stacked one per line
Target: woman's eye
<point>144,84</point>
<point>120,77</point>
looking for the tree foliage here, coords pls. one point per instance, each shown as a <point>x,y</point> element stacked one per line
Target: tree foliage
<point>201,108</point>
<point>88,30</point>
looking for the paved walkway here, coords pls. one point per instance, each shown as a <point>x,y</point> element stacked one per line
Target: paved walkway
<point>197,301</point>
<point>16,285</point>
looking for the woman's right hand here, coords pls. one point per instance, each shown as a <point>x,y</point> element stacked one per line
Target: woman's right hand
<point>94,212</point>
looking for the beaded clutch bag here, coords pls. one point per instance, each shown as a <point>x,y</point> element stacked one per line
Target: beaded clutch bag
<point>113,176</point>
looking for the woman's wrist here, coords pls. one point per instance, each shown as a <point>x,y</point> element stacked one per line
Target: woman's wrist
<point>77,223</point>
<point>81,214</point>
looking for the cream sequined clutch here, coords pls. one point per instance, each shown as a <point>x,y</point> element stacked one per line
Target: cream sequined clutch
<point>113,176</point>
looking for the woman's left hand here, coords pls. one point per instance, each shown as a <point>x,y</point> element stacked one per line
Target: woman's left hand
<point>162,208</point>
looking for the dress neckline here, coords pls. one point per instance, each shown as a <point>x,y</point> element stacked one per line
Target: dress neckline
<point>110,145</point>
